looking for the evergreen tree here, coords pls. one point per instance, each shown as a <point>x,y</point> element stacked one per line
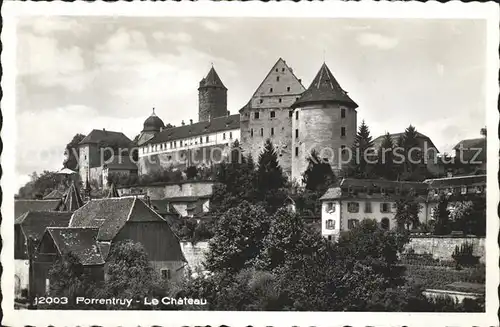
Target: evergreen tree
<point>361,165</point>
<point>386,168</point>
<point>319,175</point>
<point>412,168</point>
<point>441,216</point>
<point>269,174</point>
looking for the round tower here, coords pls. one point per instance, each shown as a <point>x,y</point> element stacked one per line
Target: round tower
<point>212,97</point>
<point>152,125</point>
<point>324,120</point>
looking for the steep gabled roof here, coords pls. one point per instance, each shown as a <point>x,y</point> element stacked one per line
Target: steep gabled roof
<point>206,127</point>
<point>23,206</point>
<point>81,242</point>
<point>110,215</point>
<point>477,143</point>
<point>72,199</point>
<point>109,137</point>
<point>212,80</point>
<point>34,223</point>
<point>377,142</point>
<point>324,88</point>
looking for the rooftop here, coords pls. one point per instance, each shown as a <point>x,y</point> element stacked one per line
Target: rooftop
<point>34,223</point>
<point>212,80</point>
<point>23,206</point>
<point>81,242</point>
<point>456,181</point>
<point>100,136</point>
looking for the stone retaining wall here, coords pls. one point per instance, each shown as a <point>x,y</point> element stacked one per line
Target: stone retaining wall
<point>442,247</point>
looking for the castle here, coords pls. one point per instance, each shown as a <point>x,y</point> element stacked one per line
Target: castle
<point>297,120</point>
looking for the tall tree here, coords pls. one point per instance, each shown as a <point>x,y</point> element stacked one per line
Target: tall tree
<point>412,168</point>
<point>386,168</point>
<point>318,175</point>
<point>441,217</point>
<point>71,152</point>
<point>362,160</point>
<point>407,210</point>
<point>269,172</point>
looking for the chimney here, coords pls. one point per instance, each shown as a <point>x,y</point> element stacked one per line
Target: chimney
<point>182,123</point>
<point>228,113</point>
<point>191,121</point>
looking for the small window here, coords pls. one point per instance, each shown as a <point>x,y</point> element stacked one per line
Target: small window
<point>206,139</point>
<point>279,100</point>
<point>296,115</point>
<point>385,207</point>
<point>201,140</point>
<point>296,133</point>
<point>165,274</point>
<point>463,189</point>
<point>342,131</point>
<point>353,207</point>
<point>329,237</point>
<point>273,114</point>
<point>330,224</point>
<point>230,135</point>
<point>261,100</point>
<point>271,90</point>
<point>352,223</point>
<point>251,132</point>
<point>276,69</point>
<point>342,113</point>
<point>296,151</point>
<point>261,132</point>
<point>277,78</point>
<point>330,207</point>
<point>256,115</point>
<point>290,113</point>
<point>385,223</point>
<point>282,69</point>
<point>288,88</point>
<point>272,131</point>
<point>180,142</point>
<point>368,207</point>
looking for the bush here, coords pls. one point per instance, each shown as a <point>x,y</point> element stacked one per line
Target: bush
<point>464,256</point>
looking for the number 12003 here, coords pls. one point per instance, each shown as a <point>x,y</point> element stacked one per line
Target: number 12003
<point>50,300</point>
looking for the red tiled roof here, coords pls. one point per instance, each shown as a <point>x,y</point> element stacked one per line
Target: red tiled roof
<point>34,223</point>
<point>81,242</point>
<point>109,137</point>
<point>324,88</point>
<point>23,206</point>
<point>206,127</point>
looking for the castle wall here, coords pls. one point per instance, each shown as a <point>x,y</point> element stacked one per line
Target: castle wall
<point>212,102</point>
<point>171,190</point>
<point>319,127</point>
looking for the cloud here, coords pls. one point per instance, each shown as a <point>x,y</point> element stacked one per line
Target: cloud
<point>211,25</point>
<point>53,24</point>
<point>377,40</point>
<point>179,37</point>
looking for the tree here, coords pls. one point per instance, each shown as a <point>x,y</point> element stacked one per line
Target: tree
<point>441,217</point>
<point>238,238</point>
<point>470,217</point>
<point>386,168</point>
<point>71,152</point>
<point>318,175</point>
<point>269,174</point>
<point>130,275</point>
<point>69,278</point>
<point>412,168</point>
<point>407,210</point>
<point>40,185</point>
<point>191,172</point>
<point>362,154</point>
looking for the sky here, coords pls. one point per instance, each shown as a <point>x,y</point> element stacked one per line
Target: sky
<point>75,74</point>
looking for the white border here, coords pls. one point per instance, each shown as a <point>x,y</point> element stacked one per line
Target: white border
<point>455,9</point>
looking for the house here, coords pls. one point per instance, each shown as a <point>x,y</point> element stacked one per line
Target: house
<point>470,155</point>
<point>345,205</point>
<point>118,166</point>
<point>22,206</point>
<point>28,231</point>
<point>115,220</point>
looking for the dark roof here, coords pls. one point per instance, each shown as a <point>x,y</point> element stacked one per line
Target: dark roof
<point>112,192</point>
<point>81,242</point>
<point>332,193</point>
<point>110,215</point>
<point>34,223</point>
<point>212,80</point>
<point>215,125</point>
<point>456,181</point>
<point>121,162</point>
<point>72,199</point>
<point>377,142</point>
<point>54,195</point>
<point>471,143</point>
<point>23,206</point>
<point>187,198</point>
<point>324,88</point>
<point>109,137</point>
<point>153,123</point>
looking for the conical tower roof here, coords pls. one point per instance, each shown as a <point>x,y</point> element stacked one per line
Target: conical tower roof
<point>212,80</point>
<point>73,199</point>
<point>113,192</point>
<point>324,88</point>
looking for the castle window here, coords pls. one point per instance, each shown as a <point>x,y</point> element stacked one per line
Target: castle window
<point>272,131</point>
<point>385,207</point>
<point>342,131</point>
<point>296,151</point>
<point>297,133</point>
<point>330,207</point>
<point>276,69</point>
<point>353,207</point>
<point>251,132</point>
<point>180,143</point>
<point>342,113</point>
<point>279,100</point>
<point>282,69</point>
<point>230,135</point>
<point>261,132</point>
<point>273,114</point>
<point>271,90</point>
<point>261,100</point>
<point>277,78</point>
<point>223,136</point>
<point>256,115</point>
<point>296,115</point>
<point>288,88</point>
